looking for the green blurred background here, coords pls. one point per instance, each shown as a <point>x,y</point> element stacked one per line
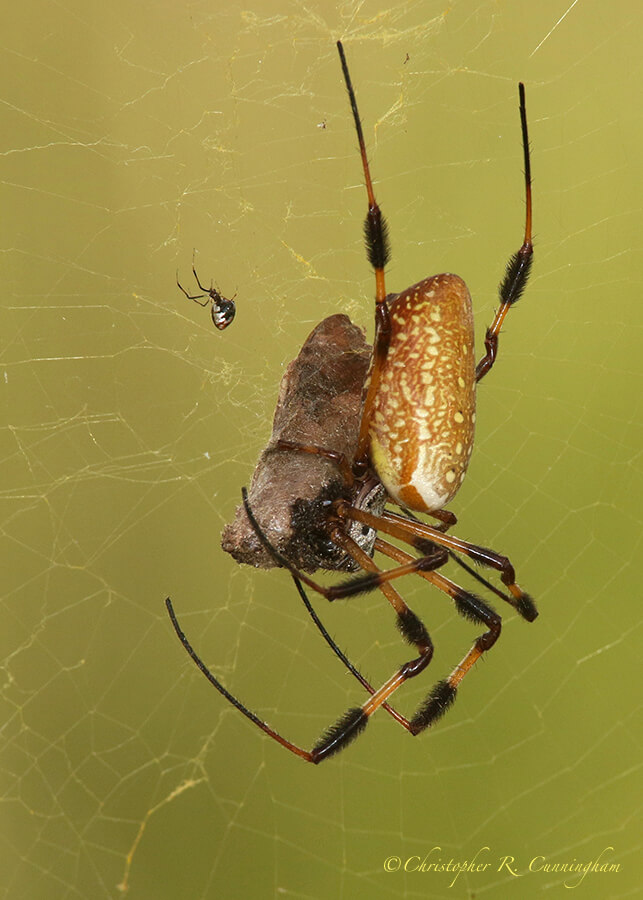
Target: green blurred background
<point>133,133</point>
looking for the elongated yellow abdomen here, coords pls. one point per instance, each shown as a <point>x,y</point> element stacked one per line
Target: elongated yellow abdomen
<point>423,421</point>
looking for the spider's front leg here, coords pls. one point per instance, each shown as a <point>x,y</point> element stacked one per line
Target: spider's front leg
<point>518,267</point>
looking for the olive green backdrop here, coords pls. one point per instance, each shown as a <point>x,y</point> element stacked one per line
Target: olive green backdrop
<point>133,133</point>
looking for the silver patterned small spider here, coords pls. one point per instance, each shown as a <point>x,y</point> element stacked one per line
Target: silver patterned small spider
<point>222,310</point>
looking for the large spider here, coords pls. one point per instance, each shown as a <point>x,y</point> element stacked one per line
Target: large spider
<point>409,445</point>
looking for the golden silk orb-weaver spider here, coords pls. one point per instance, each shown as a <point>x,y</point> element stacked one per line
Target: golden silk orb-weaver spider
<point>403,436</point>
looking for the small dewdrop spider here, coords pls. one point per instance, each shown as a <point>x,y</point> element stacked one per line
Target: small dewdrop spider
<point>222,310</point>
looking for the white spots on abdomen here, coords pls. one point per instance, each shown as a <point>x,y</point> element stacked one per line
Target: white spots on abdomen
<point>423,422</point>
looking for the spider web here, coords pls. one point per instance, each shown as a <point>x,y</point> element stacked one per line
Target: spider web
<point>135,133</point>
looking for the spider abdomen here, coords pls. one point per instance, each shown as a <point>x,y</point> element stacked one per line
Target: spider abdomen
<point>423,420</point>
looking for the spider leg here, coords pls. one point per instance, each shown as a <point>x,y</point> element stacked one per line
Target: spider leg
<point>197,297</point>
<point>339,459</point>
<point>201,287</point>
<point>410,531</point>
<point>518,267</point>
<point>342,656</point>
<point>378,252</point>
<point>471,571</point>
<point>447,519</point>
<point>334,739</point>
<point>435,578</point>
<point>443,693</point>
<point>469,606</point>
<point>348,727</point>
<point>417,534</point>
<point>441,555</point>
<point>409,625</point>
<point>196,277</point>
<point>376,578</point>
<point>298,751</point>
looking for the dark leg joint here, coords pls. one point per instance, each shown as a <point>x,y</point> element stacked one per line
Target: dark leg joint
<point>488,639</point>
<point>415,666</point>
<point>433,558</point>
<point>508,576</point>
